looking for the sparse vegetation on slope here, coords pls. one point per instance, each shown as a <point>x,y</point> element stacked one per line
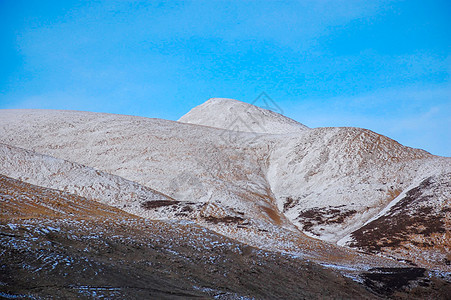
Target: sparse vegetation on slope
<point>54,244</point>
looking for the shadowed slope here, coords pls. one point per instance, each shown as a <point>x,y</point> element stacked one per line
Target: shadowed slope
<point>417,227</point>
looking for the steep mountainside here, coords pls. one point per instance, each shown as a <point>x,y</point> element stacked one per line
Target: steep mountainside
<point>218,182</point>
<point>330,180</point>
<point>74,178</point>
<point>186,162</point>
<point>265,187</point>
<point>416,223</point>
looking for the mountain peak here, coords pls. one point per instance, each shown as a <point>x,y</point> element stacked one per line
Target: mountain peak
<point>236,115</point>
<point>223,100</point>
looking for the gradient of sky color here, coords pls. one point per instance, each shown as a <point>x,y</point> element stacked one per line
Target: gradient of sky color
<point>381,65</point>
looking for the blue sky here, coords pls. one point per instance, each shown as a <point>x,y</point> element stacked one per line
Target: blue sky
<point>381,65</point>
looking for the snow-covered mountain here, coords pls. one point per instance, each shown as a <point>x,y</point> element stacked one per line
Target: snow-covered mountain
<point>223,187</point>
<point>250,174</point>
<point>235,115</point>
<point>189,163</point>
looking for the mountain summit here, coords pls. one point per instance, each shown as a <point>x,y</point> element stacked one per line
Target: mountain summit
<point>235,115</point>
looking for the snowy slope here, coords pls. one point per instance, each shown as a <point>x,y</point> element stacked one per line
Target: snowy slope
<point>327,181</point>
<point>60,175</point>
<point>20,200</point>
<point>87,182</point>
<point>240,116</point>
<point>50,172</point>
<point>261,188</point>
<point>330,181</point>
<point>220,185</point>
<point>187,162</point>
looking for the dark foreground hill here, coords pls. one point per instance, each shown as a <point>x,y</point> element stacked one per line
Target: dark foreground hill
<point>58,245</point>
